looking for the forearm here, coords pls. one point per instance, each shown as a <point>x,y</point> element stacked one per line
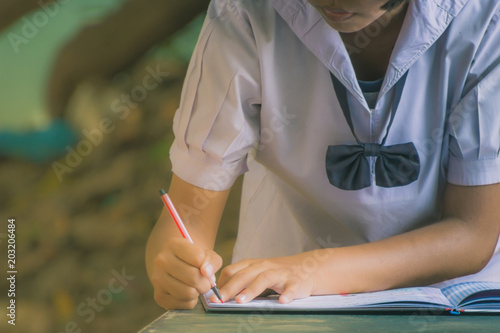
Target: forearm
<point>201,211</point>
<point>461,244</point>
<point>441,251</point>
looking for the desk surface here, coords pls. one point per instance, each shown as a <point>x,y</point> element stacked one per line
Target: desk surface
<point>199,321</point>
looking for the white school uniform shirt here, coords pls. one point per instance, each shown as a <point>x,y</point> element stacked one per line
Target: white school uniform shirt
<point>258,96</point>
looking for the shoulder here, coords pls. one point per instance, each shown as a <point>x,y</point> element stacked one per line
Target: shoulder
<point>474,30</point>
<point>474,35</point>
<point>478,15</point>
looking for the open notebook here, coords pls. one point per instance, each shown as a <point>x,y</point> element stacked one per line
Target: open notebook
<point>468,297</point>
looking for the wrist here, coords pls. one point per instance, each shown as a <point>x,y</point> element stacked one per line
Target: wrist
<point>312,267</point>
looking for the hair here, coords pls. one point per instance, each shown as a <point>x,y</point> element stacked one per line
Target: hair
<point>391,4</point>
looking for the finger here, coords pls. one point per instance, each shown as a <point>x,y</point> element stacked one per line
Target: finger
<point>212,263</point>
<point>267,279</point>
<point>237,282</point>
<point>170,289</point>
<point>166,300</point>
<point>236,277</point>
<point>292,290</point>
<point>167,264</point>
<point>179,290</point>
<point>229,271</point>
<point>191,255</point>
<point>189,275</point>
<point>247,284</point>
<point>267,292</point>
<point>188,252</point>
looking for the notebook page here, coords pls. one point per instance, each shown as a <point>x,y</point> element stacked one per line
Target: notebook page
<point>458,292</point>
<point>397,297</point>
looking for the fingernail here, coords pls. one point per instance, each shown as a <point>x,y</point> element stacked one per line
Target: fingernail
<point>214,299</point>
<point>241,298</point>
<point>284,299</point>
<point>208,269</point>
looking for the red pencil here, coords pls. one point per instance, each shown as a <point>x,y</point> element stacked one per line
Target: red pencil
<point>178,221</point>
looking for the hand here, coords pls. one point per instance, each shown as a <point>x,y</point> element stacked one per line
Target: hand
<point>292,277</point>
<point>182,271</point>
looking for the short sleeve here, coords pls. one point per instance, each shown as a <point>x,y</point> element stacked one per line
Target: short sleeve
<point>217,122</point>
<point>474,124</point>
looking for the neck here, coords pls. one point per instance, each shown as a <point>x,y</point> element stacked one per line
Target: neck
<point>389,24</point>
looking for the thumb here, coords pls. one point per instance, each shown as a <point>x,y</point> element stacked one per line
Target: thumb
<point>211,264</point>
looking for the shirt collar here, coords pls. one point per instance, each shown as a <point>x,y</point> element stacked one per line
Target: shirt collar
<point>425,22</point>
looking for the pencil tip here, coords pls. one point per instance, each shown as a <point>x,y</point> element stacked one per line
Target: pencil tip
<point>162,192</point>
<point>216,292</point>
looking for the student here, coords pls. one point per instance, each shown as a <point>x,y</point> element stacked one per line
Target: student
<point>371,133</point>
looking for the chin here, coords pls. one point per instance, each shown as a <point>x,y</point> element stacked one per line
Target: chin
<point>349,26</point>
<point>346,28</point>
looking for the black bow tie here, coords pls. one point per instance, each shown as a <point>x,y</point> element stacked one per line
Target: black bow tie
<point>348,167</point>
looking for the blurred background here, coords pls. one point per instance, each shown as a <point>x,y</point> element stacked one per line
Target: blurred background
<point>88,91</point>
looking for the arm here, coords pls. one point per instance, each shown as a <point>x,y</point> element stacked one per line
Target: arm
<point>174,265</point>
<point>211,144</point>
<point>460,244</point>
<point>121,39</point>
